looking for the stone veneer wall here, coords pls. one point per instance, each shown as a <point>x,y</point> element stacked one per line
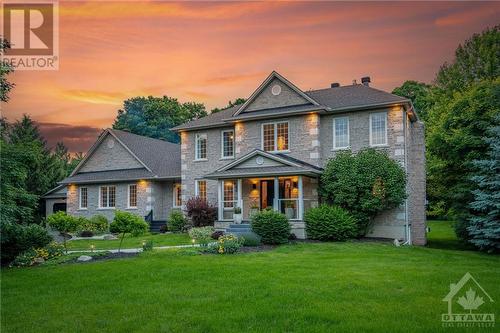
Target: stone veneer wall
<point>311,141</point>
<point>150,195</point>
<point>417,183</point>
<point>390,224</point>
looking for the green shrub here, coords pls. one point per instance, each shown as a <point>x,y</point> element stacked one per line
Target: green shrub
<point>16,238</point>
<point>98,224</point>
<point>329,223</point>
<point>365,184</point>
<point>176,221</point>
<point>227,244</point>
<point>271,226</point>
<point>202,235</point>
<point>127,223</point>
<point>26,258</point>
<point>54,250</point>
<point>147,246</point>
<point>250,239</point>
<point>64,223</point>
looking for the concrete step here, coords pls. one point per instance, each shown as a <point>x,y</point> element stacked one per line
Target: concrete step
<point>240,226</point>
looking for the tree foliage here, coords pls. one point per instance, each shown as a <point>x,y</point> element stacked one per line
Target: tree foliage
<point>364,184</point>
<point>155,116</point>
<point>419,93</point>
<point>484,222</point>
<point>476,60</point>
<point>230,104</point>
<point>455,139</point>
<point>28,170</point>
<point>5,69</point>
<point>127,223</point>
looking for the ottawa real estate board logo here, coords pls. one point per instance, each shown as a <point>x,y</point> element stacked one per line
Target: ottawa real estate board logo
<point>32,30</point>
<point>466,301</point>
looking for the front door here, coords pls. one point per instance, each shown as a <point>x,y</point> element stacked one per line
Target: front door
<point>266,193</point>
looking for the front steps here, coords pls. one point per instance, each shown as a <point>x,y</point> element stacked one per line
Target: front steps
<point>240,229</point>
<point>154,226</point>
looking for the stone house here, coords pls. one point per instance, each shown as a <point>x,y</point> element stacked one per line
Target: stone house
<point>267,152</point>
<point>128,172</point>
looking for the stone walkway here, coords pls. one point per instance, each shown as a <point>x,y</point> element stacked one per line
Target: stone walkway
<point>137,250</point>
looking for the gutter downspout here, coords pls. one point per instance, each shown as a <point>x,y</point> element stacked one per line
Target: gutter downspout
<point>407,225</point>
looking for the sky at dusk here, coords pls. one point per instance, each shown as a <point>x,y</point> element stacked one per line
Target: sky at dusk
<point>211,52</point>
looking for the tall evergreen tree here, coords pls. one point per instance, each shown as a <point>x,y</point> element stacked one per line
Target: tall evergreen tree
<point>5,69</point>
<point>484,224</point>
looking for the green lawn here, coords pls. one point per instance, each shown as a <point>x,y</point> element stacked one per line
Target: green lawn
<point>306,287</point>
<point>442,236</point>
<point>130,242</point>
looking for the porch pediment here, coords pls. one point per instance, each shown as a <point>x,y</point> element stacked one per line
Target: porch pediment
<point>261,163</point>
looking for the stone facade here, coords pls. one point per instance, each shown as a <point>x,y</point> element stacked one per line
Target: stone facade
<point>266,98</point>
<point>311,140</point>
<point>110,155</point>
<point>156,196</point>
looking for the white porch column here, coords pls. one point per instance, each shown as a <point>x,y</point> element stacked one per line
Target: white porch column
<point>276,193</point>
<point>240,197</point>
<point>219,199</point>
<point>301,200</point>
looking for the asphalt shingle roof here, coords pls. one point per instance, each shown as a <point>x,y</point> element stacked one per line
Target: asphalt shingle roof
<point>111,175</point>
<point>352,96</point>
<point>339,98</point>
<point>161,157</point>
<point>259,171</point>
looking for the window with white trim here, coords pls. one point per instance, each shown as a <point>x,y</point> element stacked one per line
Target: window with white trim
<point>201,147</point>
<point>378,129</point>
<point>177,195</point>
<point>83,198</point>
<point>132,196</point>
<point>341,133</point>
<point>107,197</point>
<point>275,136</point>
<point>201,189</point>
<point>227,139</point>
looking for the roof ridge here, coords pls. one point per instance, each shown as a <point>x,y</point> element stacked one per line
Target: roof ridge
<point>142,136</point>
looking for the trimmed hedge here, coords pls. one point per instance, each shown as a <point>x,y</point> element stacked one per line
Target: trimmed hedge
<point>271,226</point>
<point>330,223</point>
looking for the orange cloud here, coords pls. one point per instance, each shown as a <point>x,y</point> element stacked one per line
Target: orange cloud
<point>464,17</point>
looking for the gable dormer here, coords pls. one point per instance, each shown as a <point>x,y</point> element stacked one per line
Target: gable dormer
<point>275,92</point>
<point>107,154</point>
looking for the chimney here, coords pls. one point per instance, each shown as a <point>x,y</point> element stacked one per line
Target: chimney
<point>335,85</point>
<point>366,81</point>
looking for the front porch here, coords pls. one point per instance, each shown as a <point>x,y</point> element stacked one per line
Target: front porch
<point>262,180</point>
<point>290,195</point>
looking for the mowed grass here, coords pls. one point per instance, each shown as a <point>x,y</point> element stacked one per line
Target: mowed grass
<point>305,287</point>
<point>442,236</point>
<point>130,242</point>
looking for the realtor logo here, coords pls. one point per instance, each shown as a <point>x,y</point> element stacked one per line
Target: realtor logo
<point>464,301</point>
<point>32,31</point>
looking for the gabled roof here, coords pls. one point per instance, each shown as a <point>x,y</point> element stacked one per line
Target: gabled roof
<point>285,165</point>
<point>330,100</point>
<point>263,85</point>
<point>161,159</point>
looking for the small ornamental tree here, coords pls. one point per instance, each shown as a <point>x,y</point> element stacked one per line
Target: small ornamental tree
<point>201,212</point>
<point>364,184</point>
<point>127,223</point>
<point>484,225</point>
<point>65,224</point>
